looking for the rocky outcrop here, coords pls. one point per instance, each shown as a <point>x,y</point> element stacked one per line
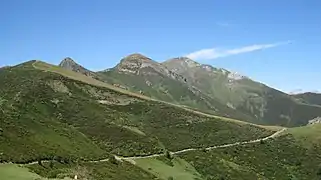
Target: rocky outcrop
<point>316,120</point>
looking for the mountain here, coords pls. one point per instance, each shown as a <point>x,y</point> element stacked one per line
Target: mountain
<point>141,74</point>
<point>70,64</point>
<point>309,97</point>
<point>265,104</point>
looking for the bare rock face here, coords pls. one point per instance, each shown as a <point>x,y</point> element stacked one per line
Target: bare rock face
<point>70,64</point>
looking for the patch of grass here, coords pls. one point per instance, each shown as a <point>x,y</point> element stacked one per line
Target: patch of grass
<point>178,170</point>
<point>307,135</point>
<point>281,158</point>
<point>97,171</point>
<point>16,172</point>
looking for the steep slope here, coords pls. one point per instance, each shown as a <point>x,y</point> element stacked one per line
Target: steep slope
<point>309,98</point>
<point>265,104</point>
<point>138,73</point>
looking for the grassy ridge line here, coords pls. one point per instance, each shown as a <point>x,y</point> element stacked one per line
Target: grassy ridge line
<point>77,76</point>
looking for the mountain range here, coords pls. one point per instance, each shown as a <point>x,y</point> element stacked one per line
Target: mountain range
<point>206,88</point>
<point>177,120</point>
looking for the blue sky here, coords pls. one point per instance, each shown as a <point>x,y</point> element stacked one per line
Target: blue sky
<point>275,42</point>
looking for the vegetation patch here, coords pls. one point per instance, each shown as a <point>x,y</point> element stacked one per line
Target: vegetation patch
<point>58,86</point>
<point>178,169</point>
<point>281,158</point>
<point>92,171</point>
<point>16,172</point>
<point>308,135</point>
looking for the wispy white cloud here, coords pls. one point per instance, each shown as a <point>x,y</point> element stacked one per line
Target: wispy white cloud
<point>213,53</point>
<point>224,24</point>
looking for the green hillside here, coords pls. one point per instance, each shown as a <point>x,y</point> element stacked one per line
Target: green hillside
<point>46,117</point>
<point>264,104</point>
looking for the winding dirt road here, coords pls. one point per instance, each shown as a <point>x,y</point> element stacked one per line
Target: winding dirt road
<point>208,148</point>
<point>131,159</point>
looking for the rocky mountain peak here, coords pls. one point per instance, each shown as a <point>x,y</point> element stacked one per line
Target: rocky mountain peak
<point>70,64</point>
<point>135,62</point>
<point>67,63</point>
<point>137,57</point>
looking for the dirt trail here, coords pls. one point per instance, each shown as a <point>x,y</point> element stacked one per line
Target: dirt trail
<point>131,159</point>
<point>208,148</point>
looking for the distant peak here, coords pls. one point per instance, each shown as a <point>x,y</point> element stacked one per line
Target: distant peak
<point>68,59</point>
<point>183,61</point>
<point>301,91</point>
<point>137,57</point>
<point>297,91</point>
<point>68,63</point>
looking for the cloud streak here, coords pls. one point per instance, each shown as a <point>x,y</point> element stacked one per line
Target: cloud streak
<point>223,24</point>
<point>213,53</point>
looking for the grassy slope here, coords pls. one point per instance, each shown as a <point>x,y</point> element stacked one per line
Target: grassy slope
<point>310,98</point>
<point>29,127</point>
<point>47,123</point>
<point>295,155</point>
<point>162,168</point>
<point>169,90</point>
<point>14,172</point>
<point>93,171</point>
<point>307,135</point>
<point>264,104</point>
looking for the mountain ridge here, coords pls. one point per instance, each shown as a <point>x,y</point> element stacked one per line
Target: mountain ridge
<point>212,89</point>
